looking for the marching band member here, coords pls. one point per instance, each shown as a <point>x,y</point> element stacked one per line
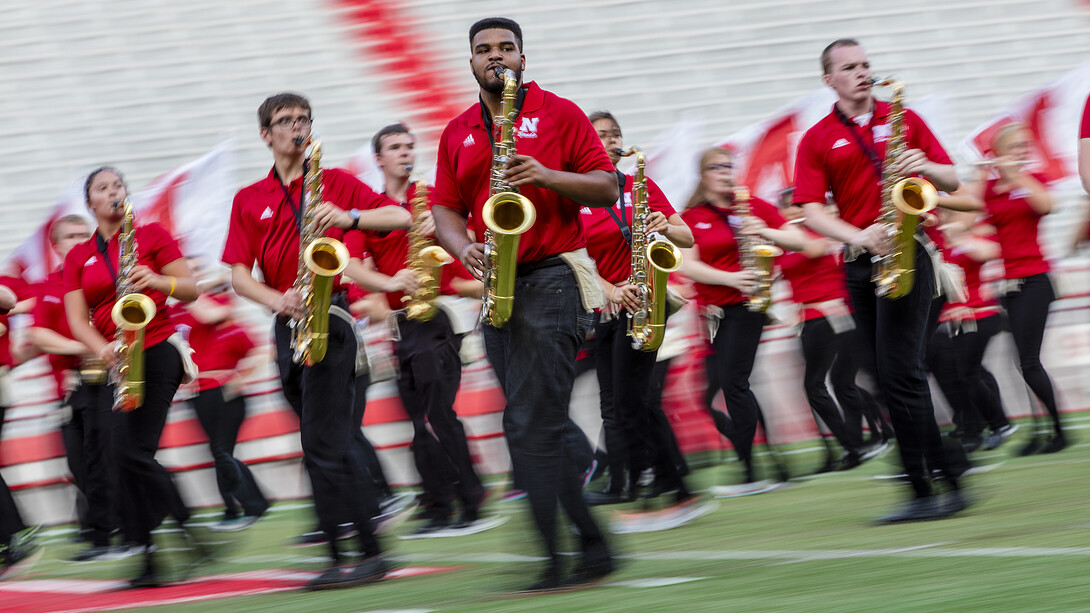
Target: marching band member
<point>224,353</point>
<point>430,367</point>
<point>1084,147</point>
<point>265,227</point>
<point>843,153</point>
<point>625,373</point>
<point>146,491</point>
<point>559,166</point>
<point>1015,201</point>
<point>723,288</point>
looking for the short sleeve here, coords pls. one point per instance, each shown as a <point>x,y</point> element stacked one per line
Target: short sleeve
<point>585,150</point>
<point>923,139</point>
<point>768,213</point>
<point>811,181</point>
<point>356,243</point>
<point>445,193</point>
<point>163,248</point>
<point>72,279</point>
<point>657,200</point>
<point>237,249</point>
<point>1084,132</point>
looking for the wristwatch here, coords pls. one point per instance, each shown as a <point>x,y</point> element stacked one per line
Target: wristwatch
<point>355,215</point>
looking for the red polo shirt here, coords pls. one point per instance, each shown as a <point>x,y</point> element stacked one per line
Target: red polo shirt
<point>22,292</point>
<point>85,270</point>
<point>263,227</point>
<point>1016,224</point>
<point>552,130</point>
<point>829,158</point>
<point>605,243</point>
<point>979,299</point>
<point>49,314</point>
<point>1084,132</point>
<point>215,347</point>
<point>813,279</point>
<point>717,247</point>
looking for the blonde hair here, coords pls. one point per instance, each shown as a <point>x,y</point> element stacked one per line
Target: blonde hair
<point>698,195</point>
<point>1004,132</point>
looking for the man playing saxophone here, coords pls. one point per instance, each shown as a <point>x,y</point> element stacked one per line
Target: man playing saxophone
<point>401,264</point>
<point>843,153</point>
<point>267,221</point>
<point>560,166</point>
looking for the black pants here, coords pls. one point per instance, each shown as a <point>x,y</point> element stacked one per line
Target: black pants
<point>734,349</point>
<point>221,420</point>
<point>10,520</point>
<point>430,372</point>
<point>72,435</point>
<point>669,457</point>
<point>1027,314</point>
<point>858,404</point>
<point>892,335</point>
<point>970,388</point>
<point>634,436</point>
<point>323,396</point>
<point>363,449</point>
<point>147,491</point>
<point>94,404</point>
<point>820,347</point>
<point>533,357</point>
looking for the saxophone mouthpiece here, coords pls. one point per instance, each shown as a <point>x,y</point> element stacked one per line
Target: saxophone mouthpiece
<point>117,204</point>
<point>299,140</point>
<point>408,167</point>
<point>499,72</point>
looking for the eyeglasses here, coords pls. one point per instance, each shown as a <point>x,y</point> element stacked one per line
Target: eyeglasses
<point>715,167</point>
<point>290,122</point>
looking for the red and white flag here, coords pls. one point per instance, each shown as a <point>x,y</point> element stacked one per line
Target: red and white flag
<point>1052,113</point>
<point>192,202</point>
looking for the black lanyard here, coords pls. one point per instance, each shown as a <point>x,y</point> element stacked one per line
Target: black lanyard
<point>725,217</point>
<point>298,212</point>
<point>104,249</point>
<point>520,97</point>
<point>872,155</point>
<point>622,221</point>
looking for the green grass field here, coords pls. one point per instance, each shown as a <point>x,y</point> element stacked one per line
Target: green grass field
<point>1023,546</point>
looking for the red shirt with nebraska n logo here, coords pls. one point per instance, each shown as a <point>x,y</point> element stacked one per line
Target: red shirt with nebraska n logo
<point>49,314</point>
<point>263,228</point>
<point>605,243</point>
<point>86,271</point>
<point>552,130</point>
<point>1016,224</point>
<point>717,248</point>
<point>829,158</point>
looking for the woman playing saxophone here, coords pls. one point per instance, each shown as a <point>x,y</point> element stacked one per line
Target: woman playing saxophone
<point>93,272</point>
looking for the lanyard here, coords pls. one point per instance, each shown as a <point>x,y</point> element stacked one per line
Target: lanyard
<point>104,249</point>
<point>622,221</point>
<point>875,161</point>
<point>297,212</point>
<point>520,97</point>
<point>725,217</point>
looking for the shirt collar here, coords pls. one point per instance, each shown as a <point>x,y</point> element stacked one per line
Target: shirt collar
<point>534,100</point>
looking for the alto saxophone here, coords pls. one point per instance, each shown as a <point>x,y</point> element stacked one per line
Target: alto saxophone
<point>424,258</point>
<point>507,214</point>
<point>904,199</point>
<point>321,259</point>
<point>131,314</point>
<point>755,254</point>
<point>651,267</point>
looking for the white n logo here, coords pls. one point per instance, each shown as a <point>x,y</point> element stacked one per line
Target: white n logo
<point>529,124</point>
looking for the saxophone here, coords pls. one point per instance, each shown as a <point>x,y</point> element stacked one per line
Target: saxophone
<point>507,215</point>
<point>321,259</point>
<point>651,267</point>
<point>903,201</point>
<point>756,255</point>
<point>425,259</point>
<point>131,314</point>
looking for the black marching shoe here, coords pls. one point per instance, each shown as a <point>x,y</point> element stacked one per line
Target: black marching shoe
<point>607,497</point>
<point>590,573</point>
<point>330,578</point>
<point>552,580</point>
<point>370,570</point>
<point>1057,443</point>
<point>917,509</point>
<point>151,576</point>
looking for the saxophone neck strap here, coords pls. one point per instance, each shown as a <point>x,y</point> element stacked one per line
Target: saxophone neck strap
<point>296,211</point>
<point>520,97</point>
<point>104,249</point>
<point>853,129</point>
<point>725,216</point>
<point>622,221</point>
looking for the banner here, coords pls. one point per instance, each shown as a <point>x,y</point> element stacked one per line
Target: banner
<point>192,202</point>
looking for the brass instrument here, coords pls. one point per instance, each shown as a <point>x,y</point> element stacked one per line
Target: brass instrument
<point>651,267</point>
<point>755,255</point>
<point>321,259</point>
<point>507,215</point>
<point>424,258</point>
<point>131,314</point>
<point>903,201</point>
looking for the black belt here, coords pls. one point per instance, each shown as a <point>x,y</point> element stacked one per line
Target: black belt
<point>527,268</point>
